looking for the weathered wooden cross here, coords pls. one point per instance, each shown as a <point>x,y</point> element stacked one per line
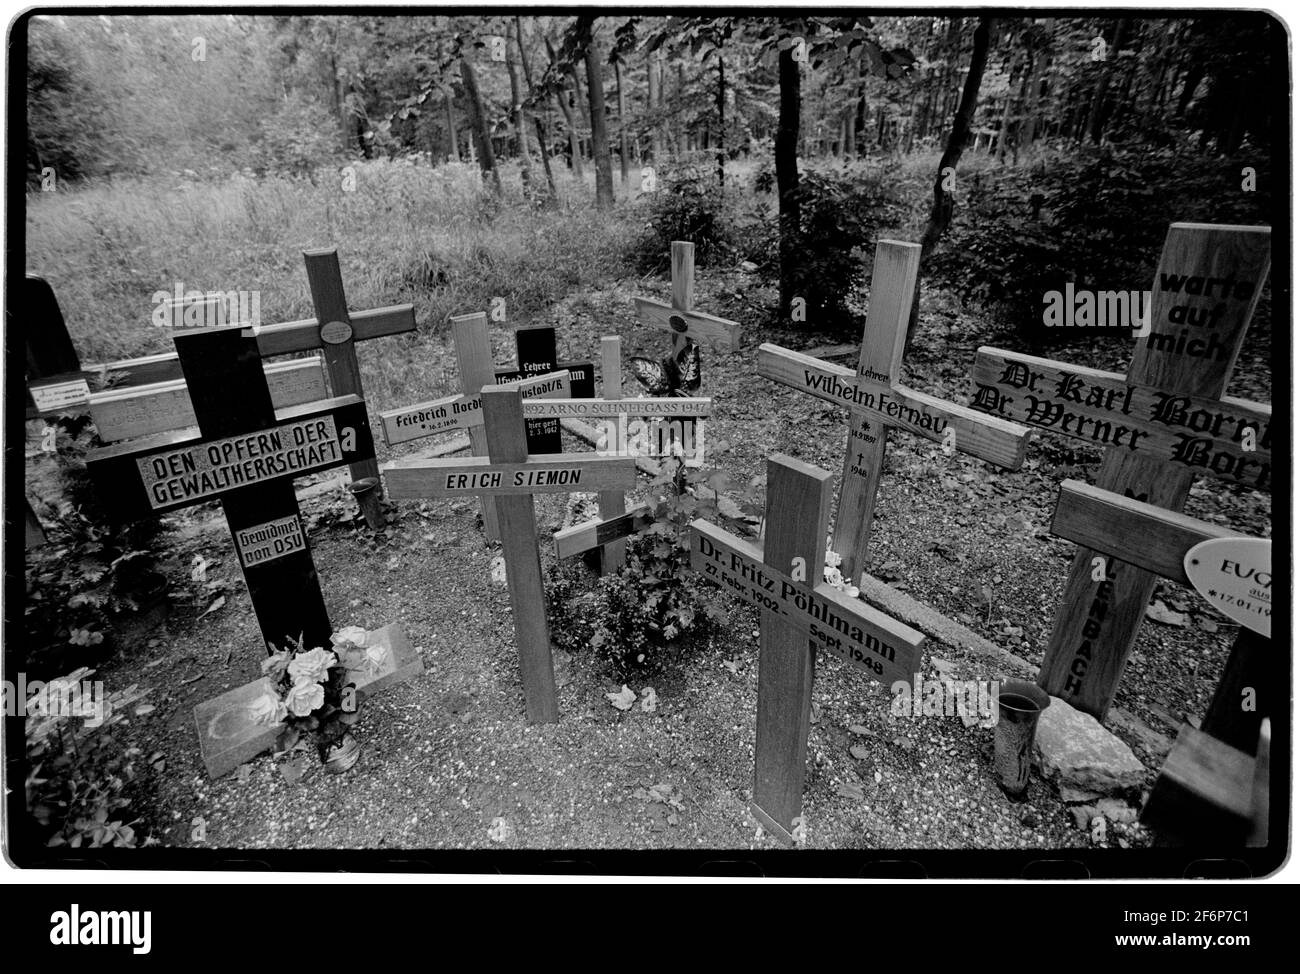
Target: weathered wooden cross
<point>878,402</point>
<point>800,614</point>
<point>1159,541</point>
<point>246,455</point>
<point>1207,790</point>
<point>1163,424</point>
<point>685,325</point>
<point>510,476</point>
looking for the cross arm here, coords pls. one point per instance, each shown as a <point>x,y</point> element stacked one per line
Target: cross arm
<point>169,471</point>
<point>1141,534</point>
<point>700,327</point>
<point>598,532</point>
<point>990,438</point>
<point>540,474</point>
<point>886,648</point>
<point>1103,408</point>
<point>304,334</point>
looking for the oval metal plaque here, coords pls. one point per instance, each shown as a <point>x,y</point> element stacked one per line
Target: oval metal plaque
<point>335,332</point>
<point>1235,575</point>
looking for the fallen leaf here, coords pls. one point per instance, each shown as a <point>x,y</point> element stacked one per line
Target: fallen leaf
<point>501,830</point>
<point>649,701</point>
<point>851,789</point>
<point>732,666</point>
<point>1157,611</point>
<point>860,752</point>
<point>242,773</point>
<point>294,770</point>
<point>498,570</point>
<point>858,729</point>
<point>144,708</point>
<point>217,604</point>
<point>624,699</point>
<point>1207,625</point>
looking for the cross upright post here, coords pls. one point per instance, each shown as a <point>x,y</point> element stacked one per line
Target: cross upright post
<point>511,476</point>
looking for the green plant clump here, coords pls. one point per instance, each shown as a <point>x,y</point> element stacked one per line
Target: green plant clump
<point>653,607</point>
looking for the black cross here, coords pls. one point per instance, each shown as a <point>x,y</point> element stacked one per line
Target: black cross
<point>246,455</point>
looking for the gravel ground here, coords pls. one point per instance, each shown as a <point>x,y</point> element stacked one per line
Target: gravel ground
<point>448,761</point>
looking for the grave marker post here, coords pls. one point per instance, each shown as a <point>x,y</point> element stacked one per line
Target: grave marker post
<point>612,503</point>
<point>799,614</point>
<point>878,402</point>
<point>512,477</point>
<point>1163,423</point>
<point>336,335</point>
<point>469,335</point>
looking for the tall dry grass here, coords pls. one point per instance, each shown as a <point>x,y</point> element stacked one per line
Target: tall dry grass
<point>406,232</point>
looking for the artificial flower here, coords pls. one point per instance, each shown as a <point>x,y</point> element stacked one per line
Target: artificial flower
<point>312,666</point>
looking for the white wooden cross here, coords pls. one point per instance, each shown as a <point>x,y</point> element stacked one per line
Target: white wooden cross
<point>510,476</point>
<point>878,402</point>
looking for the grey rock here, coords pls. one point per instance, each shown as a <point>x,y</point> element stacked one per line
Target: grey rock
<point>1083,815</point>
<point>1073,750</point>
<point>1117,811</point>
<point>1074,795</point>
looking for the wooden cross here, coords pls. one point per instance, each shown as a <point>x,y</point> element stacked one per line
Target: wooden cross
<point>878,402</point>
<point>1164,423</point>
<point>680,319</point>
<point>510,476</point>
<point>246,455</point>
<point>1159,541</point>
<point>800,614</point>
<point>280,339</point>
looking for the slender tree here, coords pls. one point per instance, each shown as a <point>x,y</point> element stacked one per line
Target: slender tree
<point>590,46</point>
<point>787,173</point>
<point>487,159</point>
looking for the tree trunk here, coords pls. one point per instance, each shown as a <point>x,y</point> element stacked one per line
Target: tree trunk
<point>681,102</point>
<point>543,132</point>
<point>722,119</point>
<point>453,150</point>
<point>487,159</point>
<point>1095,116</point>
<point>941,210</point>
<point>596,100</point>
<point>652,103</point>
<point>787,175</point>
<point>622,122</point>
<point>517,120</point>
<point>575,153</point>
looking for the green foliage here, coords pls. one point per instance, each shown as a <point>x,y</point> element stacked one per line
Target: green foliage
<point>689,205</point>
<point>639,616</point>
<point>842,213</point>
<point>92,574</point>
<point>1103,217</point>
<point>300,136</point>
<point>81,781</point>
